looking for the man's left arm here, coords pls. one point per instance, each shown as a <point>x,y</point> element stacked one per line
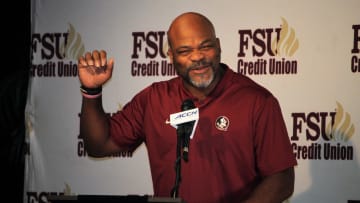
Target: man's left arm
<point>274,188</point>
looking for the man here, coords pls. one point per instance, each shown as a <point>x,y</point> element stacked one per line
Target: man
<point>248,160</point>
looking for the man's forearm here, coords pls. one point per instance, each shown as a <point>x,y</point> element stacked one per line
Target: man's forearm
<point>274,189</point>
<point>94,127</point>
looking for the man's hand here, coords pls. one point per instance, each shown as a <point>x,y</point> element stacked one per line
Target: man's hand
<point>94,69</point>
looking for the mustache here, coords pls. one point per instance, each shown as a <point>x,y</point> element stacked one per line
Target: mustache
<point>199,64</point>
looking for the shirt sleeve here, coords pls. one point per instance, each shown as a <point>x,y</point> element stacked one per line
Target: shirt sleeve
<point>272,143</point>
<point>126,124</point>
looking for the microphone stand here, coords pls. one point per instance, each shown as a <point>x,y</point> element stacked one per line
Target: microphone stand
<point>175,190</point>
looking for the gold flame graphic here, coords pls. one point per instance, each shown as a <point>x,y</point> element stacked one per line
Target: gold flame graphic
<point>166,48</point>
<point>120,106</point>
<point>28,123</point>
<point>342,129</point>
<point>288,43</point>
<point>67,190</point>
<point>74,47</point>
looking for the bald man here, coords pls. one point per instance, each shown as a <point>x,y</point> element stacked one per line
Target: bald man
<point>240,151</point>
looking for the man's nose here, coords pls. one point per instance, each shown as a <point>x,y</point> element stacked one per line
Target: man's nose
<point>196,55</point>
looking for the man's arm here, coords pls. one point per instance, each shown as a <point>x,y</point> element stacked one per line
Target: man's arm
<point>94,71</point>
<point>274,188</point>
<point>94,129</point>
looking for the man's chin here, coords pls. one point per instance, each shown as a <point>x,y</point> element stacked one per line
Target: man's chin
<point>202,84</point>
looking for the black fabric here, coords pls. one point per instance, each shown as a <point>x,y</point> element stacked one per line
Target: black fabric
<point>14,77</point>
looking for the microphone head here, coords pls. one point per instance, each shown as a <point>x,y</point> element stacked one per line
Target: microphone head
<point>187,105</point>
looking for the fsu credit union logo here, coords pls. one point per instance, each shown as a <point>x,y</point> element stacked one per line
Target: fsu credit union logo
<point>268,51</point>
<point>55,54</point>
<point>149,56</point>
<point>328,135</point>
<point>355,51</point>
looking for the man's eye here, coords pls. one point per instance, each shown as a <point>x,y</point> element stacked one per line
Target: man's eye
<point>183,52</point>
<point>206,47</point>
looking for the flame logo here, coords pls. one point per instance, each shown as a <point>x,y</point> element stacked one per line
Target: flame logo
<point>28,123</point>
<point>120,106</point>
<point>342,129</point>
<point>74,48</point>
<point>287,43</point>
<point>165,48</point>
<point>67,190</point>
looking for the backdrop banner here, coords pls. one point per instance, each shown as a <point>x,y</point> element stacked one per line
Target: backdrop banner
<point>307,53</point>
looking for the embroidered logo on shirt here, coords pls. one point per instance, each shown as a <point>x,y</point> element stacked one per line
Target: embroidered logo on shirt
<point>222,123</point>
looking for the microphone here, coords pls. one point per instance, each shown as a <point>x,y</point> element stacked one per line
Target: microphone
<point>187,128</point>
<point>185,123</point>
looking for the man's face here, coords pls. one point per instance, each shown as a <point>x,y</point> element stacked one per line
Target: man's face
<point>195,53</point>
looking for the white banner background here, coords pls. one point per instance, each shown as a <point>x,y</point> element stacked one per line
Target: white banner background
<point>55,163</point>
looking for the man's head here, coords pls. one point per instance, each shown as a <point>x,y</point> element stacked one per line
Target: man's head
<point>194,50</point>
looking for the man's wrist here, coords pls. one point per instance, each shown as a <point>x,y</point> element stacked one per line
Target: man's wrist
<point>91,93</point>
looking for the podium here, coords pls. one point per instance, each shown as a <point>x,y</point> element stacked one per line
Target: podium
<point>111,199</point>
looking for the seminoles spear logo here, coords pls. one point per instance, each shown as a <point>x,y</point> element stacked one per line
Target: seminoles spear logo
<point>222,123</point>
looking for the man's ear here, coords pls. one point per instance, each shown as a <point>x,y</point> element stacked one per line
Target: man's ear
<point>218,44</point>
<point>170,54</point>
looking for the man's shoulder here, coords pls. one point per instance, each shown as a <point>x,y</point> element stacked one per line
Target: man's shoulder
<point>157,91</point>
<point>166,84</point>
<point>243,82</point>
<point>162,87</point>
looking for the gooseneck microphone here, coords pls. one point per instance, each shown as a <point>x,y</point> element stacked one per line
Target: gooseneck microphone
<point>185,122</point>
<point>186,129</point>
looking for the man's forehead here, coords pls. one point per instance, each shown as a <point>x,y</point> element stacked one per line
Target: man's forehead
<point>192,41</point>
<point>190,21</point>
<point>190,29</point>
